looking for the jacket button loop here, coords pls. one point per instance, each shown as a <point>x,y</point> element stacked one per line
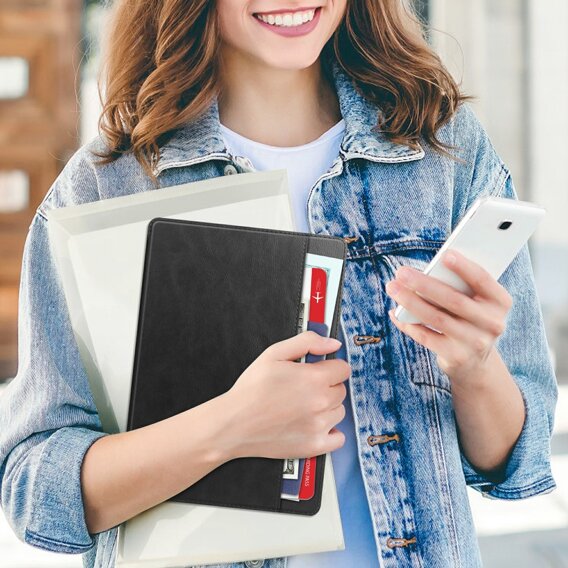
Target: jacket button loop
<point>382,439</point>
<point>397,542</point>
<point>363,339</point>
<point>230,170</point>
<point>350,239</point>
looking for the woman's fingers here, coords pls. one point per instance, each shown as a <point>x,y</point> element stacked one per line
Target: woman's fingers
<point>477,278</point>
<point>483,313</point>
<point>444,322</point>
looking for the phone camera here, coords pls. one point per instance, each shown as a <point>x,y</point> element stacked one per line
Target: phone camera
<point>505,225</point>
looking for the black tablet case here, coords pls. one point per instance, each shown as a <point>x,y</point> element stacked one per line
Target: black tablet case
<point>213,297</point>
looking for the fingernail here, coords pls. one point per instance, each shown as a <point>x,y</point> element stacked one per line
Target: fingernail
<point>392,287</point>
<point>450,258</point>
<point>333,341</point>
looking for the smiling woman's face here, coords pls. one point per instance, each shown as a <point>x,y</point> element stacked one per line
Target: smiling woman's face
<point>286,34</point>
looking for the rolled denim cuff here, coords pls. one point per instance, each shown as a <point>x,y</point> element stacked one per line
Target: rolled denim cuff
<point>528,471</point>
<point>57,522</point>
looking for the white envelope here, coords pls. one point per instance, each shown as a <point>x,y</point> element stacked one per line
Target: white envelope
<point>99,250</point>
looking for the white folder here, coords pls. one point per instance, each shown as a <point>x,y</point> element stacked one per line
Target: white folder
<point>99,251</point>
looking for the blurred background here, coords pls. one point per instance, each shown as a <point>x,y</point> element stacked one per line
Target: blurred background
<point>511,54</point>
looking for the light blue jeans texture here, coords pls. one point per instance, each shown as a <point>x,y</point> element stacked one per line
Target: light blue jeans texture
<point>395,206</point>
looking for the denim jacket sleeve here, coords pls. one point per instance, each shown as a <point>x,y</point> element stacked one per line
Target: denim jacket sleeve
<point>48,419</point>
<point>523,346</point>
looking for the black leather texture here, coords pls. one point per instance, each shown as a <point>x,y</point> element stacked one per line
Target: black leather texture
<point>213,298</point>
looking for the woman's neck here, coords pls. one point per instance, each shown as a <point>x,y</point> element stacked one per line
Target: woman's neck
<point>273,106</point>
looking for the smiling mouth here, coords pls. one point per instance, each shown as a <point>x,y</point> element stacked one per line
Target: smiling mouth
<point>287,19</point>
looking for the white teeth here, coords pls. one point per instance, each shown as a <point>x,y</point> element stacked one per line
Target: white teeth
<point>288,19</point>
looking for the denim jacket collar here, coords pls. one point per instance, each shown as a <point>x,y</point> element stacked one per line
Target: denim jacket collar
<point>201,140</point>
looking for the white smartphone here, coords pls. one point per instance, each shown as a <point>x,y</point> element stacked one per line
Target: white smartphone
<point>491,233</point>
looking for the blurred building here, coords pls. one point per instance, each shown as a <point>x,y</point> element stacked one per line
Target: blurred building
<point>39,59</point>
<point>513,56</point>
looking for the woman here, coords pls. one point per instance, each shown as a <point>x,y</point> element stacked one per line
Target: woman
<point>381,150</point>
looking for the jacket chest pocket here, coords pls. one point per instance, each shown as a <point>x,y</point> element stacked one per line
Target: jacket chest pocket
<point>419,361</point>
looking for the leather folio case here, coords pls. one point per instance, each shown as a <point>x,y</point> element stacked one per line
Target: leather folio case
<point>213,297</point>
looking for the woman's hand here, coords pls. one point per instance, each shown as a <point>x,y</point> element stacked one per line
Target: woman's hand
<point>488,403</point>
<point>469,327</point>
<point>280,408</point>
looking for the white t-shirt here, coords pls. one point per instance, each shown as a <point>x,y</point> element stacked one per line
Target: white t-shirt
<point>304,165</point>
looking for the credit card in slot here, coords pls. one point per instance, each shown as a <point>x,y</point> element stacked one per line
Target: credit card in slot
<point>308,486</point>
<point>291,468</point>
<point>318,290</point>
<point>316,318</point>
<point>313,298</point>
<point>291,487</point>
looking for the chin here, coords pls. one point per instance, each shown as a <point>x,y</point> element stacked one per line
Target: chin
<point>292,61</point>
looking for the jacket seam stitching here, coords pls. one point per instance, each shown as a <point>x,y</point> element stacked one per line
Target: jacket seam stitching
<point>368,222</point>
<point>438,430</point>
<point>384,159</point>
<point>522,489</point>
<point>32,519</point>
<point>367,251</point>
<point>73,546</point>
<point>191,162</point>
<point>504,175</point>
<point>91,166</point>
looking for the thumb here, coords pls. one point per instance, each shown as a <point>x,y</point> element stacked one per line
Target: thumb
<point>299,345</point>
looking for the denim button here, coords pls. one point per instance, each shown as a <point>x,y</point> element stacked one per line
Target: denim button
<point>364,339</point>
<point>398,542</point>
<point>254,563</point>
<point>230,170</point>
<point>382,439</point>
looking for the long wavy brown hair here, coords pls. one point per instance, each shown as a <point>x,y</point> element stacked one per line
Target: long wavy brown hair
<point>161,71</point>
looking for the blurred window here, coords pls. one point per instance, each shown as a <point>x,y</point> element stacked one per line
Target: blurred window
<point>14,191</point>
<point>15,73</point>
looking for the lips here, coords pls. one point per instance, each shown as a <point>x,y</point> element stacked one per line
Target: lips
<point>289,24</point>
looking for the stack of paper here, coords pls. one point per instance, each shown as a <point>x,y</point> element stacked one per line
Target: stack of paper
<point>99,249</point>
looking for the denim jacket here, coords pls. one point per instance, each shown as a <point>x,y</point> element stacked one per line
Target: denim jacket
<point>393,206</point>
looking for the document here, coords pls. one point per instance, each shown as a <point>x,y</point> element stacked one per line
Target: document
<point>99,250</point>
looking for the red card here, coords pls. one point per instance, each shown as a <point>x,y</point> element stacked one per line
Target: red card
<point>308,487</point>
<point>317,296</point>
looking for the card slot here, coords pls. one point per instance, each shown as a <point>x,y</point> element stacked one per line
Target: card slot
<point>311,506</point>
<point>337,249</point>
